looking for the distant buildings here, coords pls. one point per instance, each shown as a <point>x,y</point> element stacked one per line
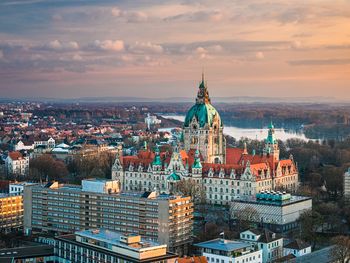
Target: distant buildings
<point>98,204</point>
<point>230,251</point>
<point>278,212</point>
<point>100,245</point>
<point>17,163</point>
<point>151,120</point>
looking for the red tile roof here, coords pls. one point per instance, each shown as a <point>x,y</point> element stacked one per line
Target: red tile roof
<point>15,156</point>
<point>200,259</point>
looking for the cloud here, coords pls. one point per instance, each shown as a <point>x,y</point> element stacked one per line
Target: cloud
<point>116,11</point>
<point>319,62</point>
<point>259,55</point>
<point>1,55</point>
<point>145,47</point>
<point>296,44</point>
<point>199,16</point>
<point>77,57</point>
<point>109,45</point>
<point>61,46</point>
<point>130,16</point>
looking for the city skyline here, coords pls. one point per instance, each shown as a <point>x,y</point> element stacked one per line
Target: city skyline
<point>72,49</point>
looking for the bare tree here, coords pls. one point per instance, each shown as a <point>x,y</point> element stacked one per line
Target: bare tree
<point>341,250</point>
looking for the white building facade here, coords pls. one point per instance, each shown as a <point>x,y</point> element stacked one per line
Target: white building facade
<point>229,251</point>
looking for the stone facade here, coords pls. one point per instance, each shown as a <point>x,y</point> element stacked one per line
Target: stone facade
<point>224,174</point>
<point>203,128</point>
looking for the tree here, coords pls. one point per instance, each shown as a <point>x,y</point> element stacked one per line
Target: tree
<point>190,187</point>
<point>245,218</point>
<point>341,250</point>
<point>333,177</point>
<point>45,166</point>
<point>310,222</point>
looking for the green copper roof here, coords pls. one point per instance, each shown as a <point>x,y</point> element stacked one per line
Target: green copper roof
<point>271,136</point>
<point>197,161</point>
<point>157,160</point>
<point>204,114</point>
<point>173,177</point>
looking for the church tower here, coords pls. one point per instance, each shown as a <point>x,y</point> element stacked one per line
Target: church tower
<point>203,128</point>
<point>271,144</point>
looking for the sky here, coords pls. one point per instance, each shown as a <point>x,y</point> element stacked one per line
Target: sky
<point>158,49</point>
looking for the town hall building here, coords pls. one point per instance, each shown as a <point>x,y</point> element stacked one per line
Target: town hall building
<point>224,174</point>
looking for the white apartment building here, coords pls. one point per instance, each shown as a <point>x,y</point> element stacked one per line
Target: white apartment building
<point>17,163</point>
<point>230,251</point>
<point>269,242</point>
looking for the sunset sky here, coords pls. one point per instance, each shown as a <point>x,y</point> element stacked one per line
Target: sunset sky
<point>274,48</point>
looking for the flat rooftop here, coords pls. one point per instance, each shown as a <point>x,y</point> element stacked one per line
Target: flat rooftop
<point>223,245</point>
<point>7,254</point>
<point>292,200</point>
<point>113,238</point>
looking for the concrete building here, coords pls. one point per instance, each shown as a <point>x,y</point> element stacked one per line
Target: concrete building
<point>17,163</point>
<point>347,185</point>
<point>67,208</point>
<point>276,211</point>
<point>230,251</point>
<point>11,212</point>
<point>269,242</point>
<point>102,245</point>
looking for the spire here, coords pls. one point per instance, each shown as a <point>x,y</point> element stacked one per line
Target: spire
<point>271,134</point>
<point>245,151</point>
<point>203,94</point>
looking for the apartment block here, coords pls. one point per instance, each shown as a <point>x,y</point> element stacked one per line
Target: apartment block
<point>57,208</point>
<point>11,212</point>
<point>105,246</point>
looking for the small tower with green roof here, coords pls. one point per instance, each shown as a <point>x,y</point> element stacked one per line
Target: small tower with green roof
<point>271,143</point>
<point>157,162</point>
<point>197,165</point>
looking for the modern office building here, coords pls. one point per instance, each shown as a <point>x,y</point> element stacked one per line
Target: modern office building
<point>230,251</point>
<point>11,212</point>
<point>276,211</point>
<point>59,208</point>
<point>100,245</point>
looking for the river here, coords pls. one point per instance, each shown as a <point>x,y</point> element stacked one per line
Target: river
<point>250,133</point>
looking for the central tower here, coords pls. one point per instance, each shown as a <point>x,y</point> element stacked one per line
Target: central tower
<point>203,128</point>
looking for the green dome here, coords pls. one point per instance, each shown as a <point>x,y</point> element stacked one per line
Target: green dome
<point>173,177</point>
<point>204,114</point>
